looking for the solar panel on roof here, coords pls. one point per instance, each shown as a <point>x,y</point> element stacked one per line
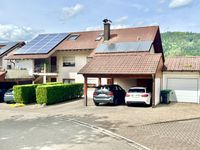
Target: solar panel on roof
<point>7,46</point>
<point>138,46</point>
<point>42,44</point>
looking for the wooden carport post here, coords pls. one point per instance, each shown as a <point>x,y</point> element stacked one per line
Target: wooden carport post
<point>99,81</point>
<point>85,91</point>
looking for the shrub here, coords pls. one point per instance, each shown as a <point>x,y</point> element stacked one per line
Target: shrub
<point>26,94</point>
<point>51,94</point>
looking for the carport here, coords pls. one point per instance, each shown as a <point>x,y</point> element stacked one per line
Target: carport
<point>144,68</point>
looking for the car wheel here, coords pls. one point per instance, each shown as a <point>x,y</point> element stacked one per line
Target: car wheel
<point>96,104</point>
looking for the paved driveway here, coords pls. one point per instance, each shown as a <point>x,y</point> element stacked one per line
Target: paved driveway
<point>174,126</point>
<point>56,133</point>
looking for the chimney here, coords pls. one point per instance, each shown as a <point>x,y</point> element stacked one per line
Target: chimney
<point>106,29</point>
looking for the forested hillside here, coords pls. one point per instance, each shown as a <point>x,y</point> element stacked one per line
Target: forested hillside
<point>181,43</point>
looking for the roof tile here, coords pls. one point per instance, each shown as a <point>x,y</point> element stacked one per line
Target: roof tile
<point>124,63</point>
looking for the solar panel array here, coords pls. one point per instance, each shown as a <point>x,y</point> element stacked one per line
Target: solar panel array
<point>138,46</point>
<point>42,44</point>
<point>7,46</point>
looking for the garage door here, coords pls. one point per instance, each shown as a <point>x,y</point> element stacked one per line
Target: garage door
<point>184,90</point>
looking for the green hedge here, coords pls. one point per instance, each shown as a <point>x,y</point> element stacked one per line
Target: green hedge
<point>26,94</point>
<point>51,94</point>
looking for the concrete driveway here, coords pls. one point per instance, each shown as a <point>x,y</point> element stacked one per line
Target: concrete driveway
<point>173,126</point>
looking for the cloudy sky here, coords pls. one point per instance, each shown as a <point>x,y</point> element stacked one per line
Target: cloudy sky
<point>24,19</point>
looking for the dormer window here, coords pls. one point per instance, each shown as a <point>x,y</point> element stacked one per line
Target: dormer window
<point>73,37</point>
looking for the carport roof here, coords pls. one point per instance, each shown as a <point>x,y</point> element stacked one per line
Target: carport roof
<point>122,63</point>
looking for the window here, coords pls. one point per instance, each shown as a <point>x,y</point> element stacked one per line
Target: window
<point>69,61</point>
<point>73,37</point>
<point>99,37</point>
<point>68,81</point>
<point>9,67</point>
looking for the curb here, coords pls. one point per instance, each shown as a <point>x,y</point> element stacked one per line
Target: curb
<point>111,134</point>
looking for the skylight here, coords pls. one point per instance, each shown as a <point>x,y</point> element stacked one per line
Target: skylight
<point>99,37</point>
<point>73,37</point>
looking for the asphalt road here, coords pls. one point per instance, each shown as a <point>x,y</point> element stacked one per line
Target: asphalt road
<point>56,133</point>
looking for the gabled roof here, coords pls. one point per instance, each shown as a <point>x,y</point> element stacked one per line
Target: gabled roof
<point>182,63</point>
<point>122,63</point>
<point>87,40</point>
<point>7,47</point>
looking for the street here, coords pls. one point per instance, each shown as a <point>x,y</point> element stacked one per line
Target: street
<point>75,127</point>
<point>55,133</point>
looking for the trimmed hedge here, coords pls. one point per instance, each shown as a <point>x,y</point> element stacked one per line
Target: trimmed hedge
<point>26,94</point>
<point>51,94</point>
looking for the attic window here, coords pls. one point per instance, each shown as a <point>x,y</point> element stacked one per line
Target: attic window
<point>73,37</point>
<point>99,37</point>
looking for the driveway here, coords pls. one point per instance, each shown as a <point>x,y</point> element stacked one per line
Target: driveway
<point>174,126</point>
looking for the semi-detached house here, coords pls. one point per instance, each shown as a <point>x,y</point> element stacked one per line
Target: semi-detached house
<point>129,57</point>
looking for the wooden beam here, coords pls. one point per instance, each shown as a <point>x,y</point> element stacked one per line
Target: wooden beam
<point>99,82</point>
<point>136,76</point>
<point>85,92</point>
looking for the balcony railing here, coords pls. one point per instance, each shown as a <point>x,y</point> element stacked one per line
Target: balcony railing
<point>49,69</point>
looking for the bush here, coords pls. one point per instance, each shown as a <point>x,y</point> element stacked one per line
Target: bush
<point>51,94</point>
<point>26,94</point>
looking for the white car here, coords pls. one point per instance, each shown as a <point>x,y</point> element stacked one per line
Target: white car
<point>138,95</point>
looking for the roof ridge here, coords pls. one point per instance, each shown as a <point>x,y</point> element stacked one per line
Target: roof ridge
<point>156,26</point>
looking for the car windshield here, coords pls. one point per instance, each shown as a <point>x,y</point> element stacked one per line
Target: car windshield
<point>103,88</point>
<point>136,91</point>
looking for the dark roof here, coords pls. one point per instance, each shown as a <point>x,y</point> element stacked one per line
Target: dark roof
<point>7,47</point>
<point>182,63</point>
<point>122,63</point>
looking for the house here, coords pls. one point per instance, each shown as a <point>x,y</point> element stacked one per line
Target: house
<point>182,76</point>
<point>128,57</point>
<point>6,48</point>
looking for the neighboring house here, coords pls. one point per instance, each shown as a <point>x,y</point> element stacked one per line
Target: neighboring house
<point>6,49</point>
<point>182,75</point>
<point>128,57</point>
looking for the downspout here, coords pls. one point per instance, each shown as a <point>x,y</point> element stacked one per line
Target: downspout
<point>12,62</point>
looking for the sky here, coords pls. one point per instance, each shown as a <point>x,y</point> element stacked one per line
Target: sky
<point>24,19</point>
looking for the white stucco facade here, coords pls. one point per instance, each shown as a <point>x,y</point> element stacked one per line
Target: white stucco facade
<point>27,64</point>
<point>71,72</point>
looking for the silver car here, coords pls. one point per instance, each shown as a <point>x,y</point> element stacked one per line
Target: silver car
<point>113,94</point>
<point>9,96</point>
